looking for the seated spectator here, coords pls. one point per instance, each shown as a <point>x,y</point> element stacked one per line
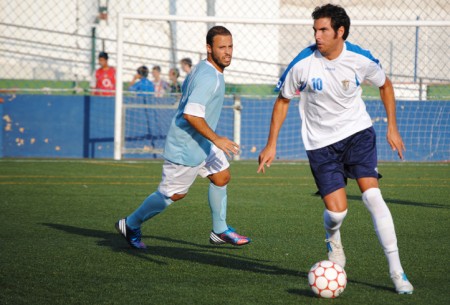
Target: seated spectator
<point>140,81</point>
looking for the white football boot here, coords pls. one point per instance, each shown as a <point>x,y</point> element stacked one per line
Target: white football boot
<point>336,252</point>
<point>401,283</point>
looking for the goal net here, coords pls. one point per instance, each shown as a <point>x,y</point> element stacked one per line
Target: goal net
<point>262,50</point>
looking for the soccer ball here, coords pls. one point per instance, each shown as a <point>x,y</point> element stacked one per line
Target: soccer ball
<point>327,279</point>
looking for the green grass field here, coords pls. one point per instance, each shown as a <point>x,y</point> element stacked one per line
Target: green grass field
<point>58,244</point>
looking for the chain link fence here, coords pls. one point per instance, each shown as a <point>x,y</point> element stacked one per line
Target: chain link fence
<point>53,45</point>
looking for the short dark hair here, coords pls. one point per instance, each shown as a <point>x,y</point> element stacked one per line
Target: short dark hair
<point>186,61</point>
<point>337,15</point>
<point>176,71</point>
<point>142,71</point>
<point>158,68</point>
<point>214,31</point>
<point>103,55</point>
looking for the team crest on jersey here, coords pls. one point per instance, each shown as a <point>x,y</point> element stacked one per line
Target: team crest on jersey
<point>346,84</point>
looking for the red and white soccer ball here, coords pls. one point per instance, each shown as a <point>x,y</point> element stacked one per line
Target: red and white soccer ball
<point>327,279</point>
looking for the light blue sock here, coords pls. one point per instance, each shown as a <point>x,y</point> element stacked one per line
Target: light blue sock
<point>217,197</point>
<point>152,205</point>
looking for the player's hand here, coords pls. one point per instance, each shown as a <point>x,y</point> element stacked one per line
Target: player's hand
<point>265,158</point>
<point>395,141</point>
<point>229,147</point>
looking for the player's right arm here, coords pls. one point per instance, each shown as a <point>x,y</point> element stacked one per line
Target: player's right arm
<point>279,113</point>
<point>229,147</point>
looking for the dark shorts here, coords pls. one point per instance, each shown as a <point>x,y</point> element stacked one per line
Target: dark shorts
<point>353,157</point>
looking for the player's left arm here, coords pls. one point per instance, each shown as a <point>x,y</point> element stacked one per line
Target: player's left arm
<point>393,136</point>
<point>202,127</point>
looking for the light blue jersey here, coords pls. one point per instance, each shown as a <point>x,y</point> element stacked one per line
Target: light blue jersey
<point>203,95</point>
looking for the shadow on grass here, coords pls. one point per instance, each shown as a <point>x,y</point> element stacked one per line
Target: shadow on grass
<point>405,202</point>
<point>304,292</point>
<point>397,201</point>
<point>203,254</point>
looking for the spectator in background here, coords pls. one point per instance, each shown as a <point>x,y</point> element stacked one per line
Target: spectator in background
<point>104,82</point>
<point>161,86</point>
<point>186,65</point>
<point>140,81</point>
<point>174,84</point>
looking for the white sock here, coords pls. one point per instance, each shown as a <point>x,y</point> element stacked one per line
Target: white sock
<point>384,227</point>
<point>332,222</point>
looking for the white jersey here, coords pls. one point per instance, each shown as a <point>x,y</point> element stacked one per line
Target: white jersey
<point>331,106</point>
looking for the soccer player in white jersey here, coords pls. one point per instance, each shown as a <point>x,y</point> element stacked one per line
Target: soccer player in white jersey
<point>337,131</point>
<point>193,148</point>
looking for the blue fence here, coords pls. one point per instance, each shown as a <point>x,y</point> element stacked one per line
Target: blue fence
<point>83,127</point>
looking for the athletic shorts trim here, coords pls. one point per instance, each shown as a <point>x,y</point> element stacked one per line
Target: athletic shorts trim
<point>353,157</point>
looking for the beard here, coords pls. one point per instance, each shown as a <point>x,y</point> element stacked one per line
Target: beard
<point>220,62</point>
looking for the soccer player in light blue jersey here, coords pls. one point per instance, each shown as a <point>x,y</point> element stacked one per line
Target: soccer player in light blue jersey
<point>337,130</point>
<point>193,148</point>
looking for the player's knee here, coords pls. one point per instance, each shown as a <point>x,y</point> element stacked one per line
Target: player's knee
<point>176,197</point>
<point>221,179</point>
<point>367,183</point>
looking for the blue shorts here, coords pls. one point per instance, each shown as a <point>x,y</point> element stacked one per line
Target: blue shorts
<point>353,157</point>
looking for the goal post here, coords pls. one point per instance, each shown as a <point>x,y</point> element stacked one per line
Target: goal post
<point>262,49</point>
<point>118,115</point>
